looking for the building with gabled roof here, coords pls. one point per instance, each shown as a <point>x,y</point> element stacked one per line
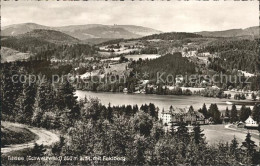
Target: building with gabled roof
<point>177,115</point>
<point>251,123</point>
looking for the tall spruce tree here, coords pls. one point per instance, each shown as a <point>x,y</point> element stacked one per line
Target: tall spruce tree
<point>256,113</point>
<point>234,115</point>
<point>28,104</point>
<point>182,133</point>
<point>234,145</point>
<point>7,93</point>
<point>204,111</point>
<point>67,99</point>
<point>227,113</point>
<point>249,145</point>
<point>244,113</point>
<point>198,135</point>
<point>214,113</point>
<point>37,111</point>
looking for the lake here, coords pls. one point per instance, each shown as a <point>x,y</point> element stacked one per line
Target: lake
<point>162,101</point>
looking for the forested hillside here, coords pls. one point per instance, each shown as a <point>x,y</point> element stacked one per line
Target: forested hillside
<point>235,54</point>
<point>50,36</point>
<point>44,47</point>
<point>25,44</point>
<point>251,32</point>
<point>68,52</point>
<point>172,36</point>
<point>173,64</point>
<point>231,44</point>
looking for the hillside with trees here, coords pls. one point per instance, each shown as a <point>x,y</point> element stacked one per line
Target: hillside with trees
<point>172,36</point>
<point>42,48</point>
<point>251,32</point>
<point>51,36</point>
<point>234,54</point>
<point>173,64</point>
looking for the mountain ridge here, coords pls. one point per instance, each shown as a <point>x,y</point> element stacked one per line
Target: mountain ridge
<point>83,32</point>
<point>250,31</point>
<point>51,36</point>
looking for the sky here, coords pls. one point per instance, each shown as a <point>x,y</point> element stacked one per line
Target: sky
<point>167,16</point>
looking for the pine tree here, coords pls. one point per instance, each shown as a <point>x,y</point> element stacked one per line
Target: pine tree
<point>28,104</point>
<point>38,150</point>
<point>233,116</point>
<point>135,109</point>
<point>43,96</point>
<point>256,113</point>
<point>227,113</point>
<point>214,113</point>
<point>109,113</point>
<point>37,111</point>
<point>253,96</point>
<point>204,111</point>
<point>18,109</point>
<point>7,93</point>
<point>67,99</point>
<point>249,145</point>
<point>198,135</point>
<point>152,111</point>
<point>182,133</point>
<point>234,145</point>
<point>244,113</point>
<point>50,96</point>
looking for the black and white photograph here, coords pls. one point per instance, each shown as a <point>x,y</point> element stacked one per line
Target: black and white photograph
<point>130,83</point>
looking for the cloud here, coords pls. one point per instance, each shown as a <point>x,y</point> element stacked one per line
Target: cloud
<point>162,15</point>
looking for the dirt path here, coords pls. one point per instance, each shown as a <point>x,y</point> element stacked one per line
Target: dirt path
<point>45,137</point>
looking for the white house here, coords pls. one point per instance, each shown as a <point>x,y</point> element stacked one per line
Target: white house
<point>166,117</point>
<point>250,122</point>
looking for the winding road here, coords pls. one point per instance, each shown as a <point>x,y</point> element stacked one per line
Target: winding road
<point>45,137</point>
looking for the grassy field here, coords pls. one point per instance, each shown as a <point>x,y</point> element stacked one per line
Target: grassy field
<point>15,135</point>
<point>10,55</point>
<point>218,133</point>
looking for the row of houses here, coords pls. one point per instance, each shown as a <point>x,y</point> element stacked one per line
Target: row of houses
<point>173,116</point>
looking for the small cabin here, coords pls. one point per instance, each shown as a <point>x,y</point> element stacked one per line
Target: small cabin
<point>241,125</point>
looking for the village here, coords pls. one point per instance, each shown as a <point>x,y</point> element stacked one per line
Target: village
<point>172,117</point>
